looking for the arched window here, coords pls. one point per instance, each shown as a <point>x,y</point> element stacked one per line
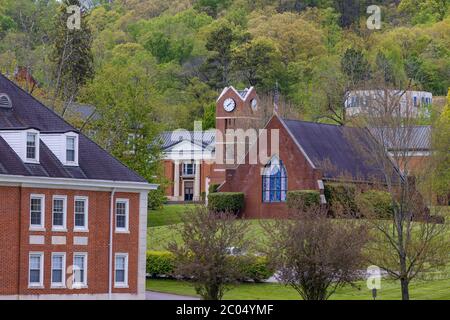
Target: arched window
<point>274,181</point>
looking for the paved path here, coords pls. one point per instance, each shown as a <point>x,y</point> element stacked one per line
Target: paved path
<point>152,295</point>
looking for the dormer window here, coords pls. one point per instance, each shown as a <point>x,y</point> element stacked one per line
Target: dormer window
<point>70,149</point>
<point>31,152</point>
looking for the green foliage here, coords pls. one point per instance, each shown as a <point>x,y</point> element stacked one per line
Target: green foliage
<point>302,199</point>
<point>255,268</point>
<point>160,263</point>
<point>213,187</point>
<point>341,198</point>
<point>232,202</point>
<point>156,199</point>
<point>376,202</point>
<point>355,65</point>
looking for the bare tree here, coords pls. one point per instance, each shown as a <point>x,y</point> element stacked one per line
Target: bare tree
<point>411,242</point>
<point>315,254</point>
<point>204,255</point>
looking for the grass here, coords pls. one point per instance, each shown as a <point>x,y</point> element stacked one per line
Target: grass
<point>167,215</point>
<point>390,290</point>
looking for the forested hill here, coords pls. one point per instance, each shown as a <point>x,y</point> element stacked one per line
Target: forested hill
<point>149,65</point>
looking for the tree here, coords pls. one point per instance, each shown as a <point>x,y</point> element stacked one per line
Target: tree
<point>203,257</point>
<point>349,11</point>
<point>211,7</point>
<point>412,241</point>
<point>72,57</point>
<point>314,254</point>
<point>216,68</point>
<point>355,65</point>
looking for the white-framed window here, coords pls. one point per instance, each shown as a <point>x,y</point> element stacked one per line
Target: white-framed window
<point>81,209</point>
<point>79,270</point>
<point>37,211</point>
<point>71,149</point>
<point>36,269</point>
<point>121,270</point>
<point>188,169</point>
<point>31,147</point>
<point>122,215</point>
<point>58,275</point>
<point>59,213</point>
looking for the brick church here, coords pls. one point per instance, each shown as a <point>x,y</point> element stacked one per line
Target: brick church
<point>290,155</point>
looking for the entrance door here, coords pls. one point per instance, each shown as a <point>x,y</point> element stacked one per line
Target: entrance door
<point>188,191</point>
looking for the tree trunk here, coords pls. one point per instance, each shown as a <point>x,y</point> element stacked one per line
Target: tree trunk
<point>405,288</point>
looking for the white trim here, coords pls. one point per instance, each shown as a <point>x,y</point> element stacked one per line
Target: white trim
<point>125,283</point>
<point>226,89</point>
<point>142,253</point>
<point>36,146</point>
<point>127,216</point>
<point>62,284</point>
<point>35,227</point>
<point>62,228</point>
<point>75,143</point>
<point>296,142</point>
<point>410,153</point>
<point>39,285</point>
<point>86,214</point>
<point>79,184</point>
<point>84,284</point>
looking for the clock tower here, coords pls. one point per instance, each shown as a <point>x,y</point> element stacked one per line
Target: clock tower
<point>235,109</point>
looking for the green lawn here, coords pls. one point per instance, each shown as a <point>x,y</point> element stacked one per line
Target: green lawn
<point>420,290</point>
<point>167,215</point>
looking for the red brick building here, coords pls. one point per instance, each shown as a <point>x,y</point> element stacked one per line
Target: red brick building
<point>73,220</point>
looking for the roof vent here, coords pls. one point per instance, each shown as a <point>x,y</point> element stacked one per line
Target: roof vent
<point>5,101</point>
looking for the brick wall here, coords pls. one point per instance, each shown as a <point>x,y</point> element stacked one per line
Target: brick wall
<point>14,276</point>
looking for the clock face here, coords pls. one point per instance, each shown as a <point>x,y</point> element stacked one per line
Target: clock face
<point>254,104</point>
<point>229,105</point>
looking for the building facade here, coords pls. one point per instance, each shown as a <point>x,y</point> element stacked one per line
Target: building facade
<point>73,219</point>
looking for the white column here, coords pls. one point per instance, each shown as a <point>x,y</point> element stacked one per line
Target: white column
<point>176,181</point>
<point>142,259</point>
<point>197,181</point>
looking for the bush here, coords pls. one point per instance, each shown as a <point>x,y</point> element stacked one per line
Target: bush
<point>302,199</point>
<point>341,197</point>
<point>232,202</point>
<point>256,268</point>
<point>378,203</point>
<point>156,199</point>
<point>213,188</point>
<point>160,263</point>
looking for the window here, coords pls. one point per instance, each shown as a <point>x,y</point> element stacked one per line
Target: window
<point>31,146</point>
<point>121,270</point>
<point>37,211</point>
<point>36,269</point>
<point>81,214</point>
<point>58,269</point>
<point>70,149</point>
<point>59,212</point>
<point>415,101</point>
<point>79,270</point>
<point>274,182</point>
<point>122,215</point>
<point>188,169</point>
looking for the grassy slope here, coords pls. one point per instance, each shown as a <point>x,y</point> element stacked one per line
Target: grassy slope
<point>167,215</point>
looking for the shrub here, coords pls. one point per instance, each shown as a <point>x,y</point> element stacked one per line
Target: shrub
<point>341,198</point>
<point>160,263</point>
<point>213,188</point>
<point>376,202</point>
<point>302,199</point>
<point>256,268</point>
<point>156,199</point>
<point>232,202</point>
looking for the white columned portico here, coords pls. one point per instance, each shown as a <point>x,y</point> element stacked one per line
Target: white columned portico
<point>176,180</point>
<point>197,181</point>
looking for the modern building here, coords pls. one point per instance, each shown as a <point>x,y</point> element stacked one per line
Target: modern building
<point>408,103</point>
<point>73,219</point>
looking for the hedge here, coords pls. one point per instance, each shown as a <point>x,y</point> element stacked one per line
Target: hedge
<point>213,188</point>
<point>376,202</point>
<point>226,202</point>
<point>160,263</point>
<point>302,199</point>
<point>341,196</point>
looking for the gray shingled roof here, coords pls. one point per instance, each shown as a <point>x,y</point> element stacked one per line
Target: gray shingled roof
<point>202,138</point>
<point>336,149</point>
<point>94,162</point>
<point>414,138</point>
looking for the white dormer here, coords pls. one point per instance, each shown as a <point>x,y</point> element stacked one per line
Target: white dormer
<point>24,142</point>
<point>63,145</point>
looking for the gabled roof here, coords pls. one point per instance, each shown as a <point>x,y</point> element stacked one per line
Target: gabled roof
<point>27,112</point>
<point>412,138</point>
<point>332,149</point>
<point>203,139</point>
